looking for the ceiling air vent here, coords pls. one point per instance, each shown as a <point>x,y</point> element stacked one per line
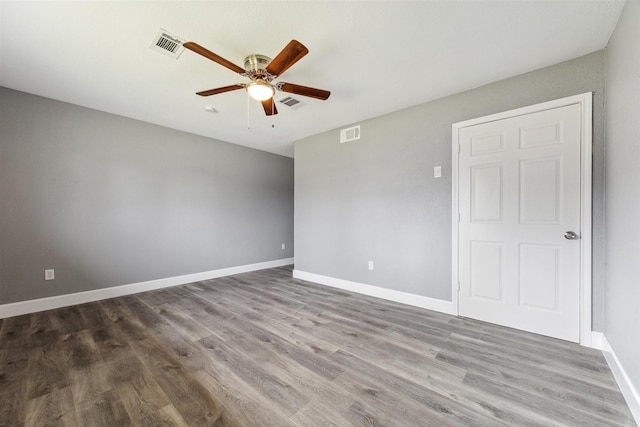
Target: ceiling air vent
<point>292,102</point>
<point>350,134</point>
<point>167,44</point>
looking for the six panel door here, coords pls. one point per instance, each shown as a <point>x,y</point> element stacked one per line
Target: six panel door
<point>519,193</point>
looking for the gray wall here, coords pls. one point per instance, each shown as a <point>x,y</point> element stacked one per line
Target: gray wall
<point>623,191</point>
<point>106,200</point>
<point>376,198</point>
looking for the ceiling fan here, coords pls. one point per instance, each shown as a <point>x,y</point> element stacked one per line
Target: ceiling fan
<point>262,70</point>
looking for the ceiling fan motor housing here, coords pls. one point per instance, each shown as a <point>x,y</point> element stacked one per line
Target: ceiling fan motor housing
<point>256,62</point>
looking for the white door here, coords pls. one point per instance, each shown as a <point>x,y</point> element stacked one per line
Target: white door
<point>519,202</point>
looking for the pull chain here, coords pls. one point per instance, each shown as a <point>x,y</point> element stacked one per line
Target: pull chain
<point>248,113</point>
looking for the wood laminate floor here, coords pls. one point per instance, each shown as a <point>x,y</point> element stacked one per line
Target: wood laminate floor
<point>263,349</point>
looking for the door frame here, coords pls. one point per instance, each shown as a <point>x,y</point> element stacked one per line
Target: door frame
<point>585,101</point>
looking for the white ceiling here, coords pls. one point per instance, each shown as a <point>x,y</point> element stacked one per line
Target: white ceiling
<point>374,56</point>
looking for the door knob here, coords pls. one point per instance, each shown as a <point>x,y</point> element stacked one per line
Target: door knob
<point>570,235</point>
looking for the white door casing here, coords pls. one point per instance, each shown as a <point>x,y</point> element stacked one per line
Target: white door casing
<point>521,179</point>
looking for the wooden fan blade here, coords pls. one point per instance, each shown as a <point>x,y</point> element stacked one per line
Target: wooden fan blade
<point>291,54</point>
<point>269,107</point>
<point>220,90</point>
<point>304,91</point>
<point>212,56</point>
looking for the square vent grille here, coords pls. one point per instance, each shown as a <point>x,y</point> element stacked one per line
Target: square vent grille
<point>167,44</point>
<point>293,103</point>
<point>350,134</point>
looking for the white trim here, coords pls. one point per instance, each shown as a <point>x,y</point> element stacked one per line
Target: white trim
<point>41,304</point>
<point>549,105</point>
<point>630,393</point>
<point>586,307</point>
<point>375,291</point>
<point>585,101</point>
<point>455,217</point>
<point>597,339</point>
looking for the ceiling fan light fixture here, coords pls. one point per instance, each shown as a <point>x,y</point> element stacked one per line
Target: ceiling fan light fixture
<point>260,91</point>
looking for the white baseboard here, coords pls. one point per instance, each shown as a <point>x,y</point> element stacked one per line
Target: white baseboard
<point>597,339</point>
<point>375,291</point>
<point>630,393</point>
<point>41,304</point>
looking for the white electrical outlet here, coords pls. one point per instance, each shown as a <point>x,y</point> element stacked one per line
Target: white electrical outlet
<point>437,171</point>
<point>283,246</point>
<point>49,274</point>
<point>370,265</point>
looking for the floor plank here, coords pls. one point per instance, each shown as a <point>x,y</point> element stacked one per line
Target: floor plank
<point>264,349</point>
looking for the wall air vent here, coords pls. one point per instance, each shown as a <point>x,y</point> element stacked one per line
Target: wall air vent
<point>167,44</point>
<point>350,134</point>
<point>292,102</point>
